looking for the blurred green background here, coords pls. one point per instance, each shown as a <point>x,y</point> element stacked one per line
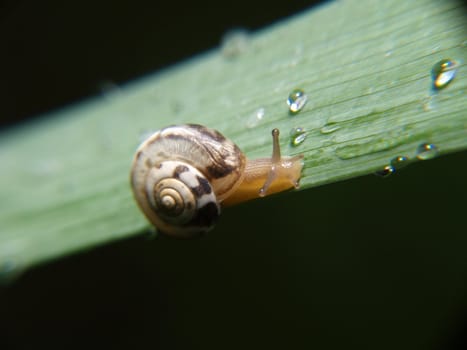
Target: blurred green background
<point>369,263</point>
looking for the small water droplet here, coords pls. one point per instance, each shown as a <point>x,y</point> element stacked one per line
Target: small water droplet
<point>427,151</point>
<point>329,128</point>
<point>443,72</point>
<point>386,171</point>
<point>399,162</point>
<point>255,118</point>
<point>296,100</point>
<point>297,136</point>
<point>235,42</point>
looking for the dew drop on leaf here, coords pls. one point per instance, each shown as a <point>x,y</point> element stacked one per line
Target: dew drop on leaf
<point>329,128</point>
<point>426,151</point>
<point>296,100</point>
<point>443,72</point>
<point>386,171</point>
<point>399,162</point>
<point>297,136</point>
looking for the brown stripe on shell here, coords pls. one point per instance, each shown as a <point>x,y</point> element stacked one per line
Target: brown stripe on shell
<point>139,154</point>
<point>218,171</point>
<point>206,216</point>
<point>179,170</point>
<point>148,162</point>
<point>218,165</point>
<point>172,137</point>
<point>214,134</point>
<point>203,188</point>
<point>203,221</point>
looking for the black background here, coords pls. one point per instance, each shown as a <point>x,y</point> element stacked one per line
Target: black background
<point>57,52</point>
<point>382,267</point>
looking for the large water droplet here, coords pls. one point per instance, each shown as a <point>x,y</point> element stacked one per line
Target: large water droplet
<point>427,151</point>
<point>399,162</point>
<point>386,171</point>
<point>235,42</point>
<point>297,136</point>
<point>443,72</point>
<point>296,100</point>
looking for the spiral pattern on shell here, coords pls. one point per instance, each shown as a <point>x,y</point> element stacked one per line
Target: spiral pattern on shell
<point>182,197</point>
<point>181,174</point>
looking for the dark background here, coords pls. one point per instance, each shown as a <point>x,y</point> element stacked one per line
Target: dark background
<point>382,267</point>
<point>56,52</point>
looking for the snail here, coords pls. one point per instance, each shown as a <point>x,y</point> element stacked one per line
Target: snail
<point>182,175</point>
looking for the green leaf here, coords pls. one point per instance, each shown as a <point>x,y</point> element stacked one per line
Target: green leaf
<point>365,66</point>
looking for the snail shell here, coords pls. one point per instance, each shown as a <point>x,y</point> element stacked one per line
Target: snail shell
<point>180,174</point>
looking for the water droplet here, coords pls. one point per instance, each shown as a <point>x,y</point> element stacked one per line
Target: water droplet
<point>297,136</point>
<point>235,42</point>
<point>296,100</point>
<point>399,162</point>
<point>255,118</point>
<point>427,151</point>
<point>386,171</point>
<point>443,72</point>
<point>329,128</point>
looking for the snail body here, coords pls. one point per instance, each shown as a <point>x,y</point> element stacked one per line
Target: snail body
<point>182,175</point>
